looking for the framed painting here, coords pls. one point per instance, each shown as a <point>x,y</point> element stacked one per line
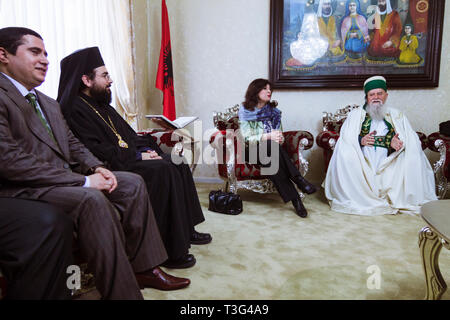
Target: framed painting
<point>339,43</point>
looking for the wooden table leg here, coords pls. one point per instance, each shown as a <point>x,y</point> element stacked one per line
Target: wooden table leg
<point>430,247</point>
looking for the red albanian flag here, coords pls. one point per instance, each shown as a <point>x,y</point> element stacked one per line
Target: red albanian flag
<point>164,77</point>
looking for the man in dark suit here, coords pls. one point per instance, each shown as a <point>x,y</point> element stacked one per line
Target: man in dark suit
<point>41,159</point>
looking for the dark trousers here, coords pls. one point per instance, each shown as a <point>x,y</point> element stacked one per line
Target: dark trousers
<point>35,250</point>
<point>174,199</point>
<point>114,247</point>
<point>283,173</point>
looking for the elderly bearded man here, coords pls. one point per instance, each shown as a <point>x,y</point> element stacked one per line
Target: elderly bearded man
<point>378,166</point>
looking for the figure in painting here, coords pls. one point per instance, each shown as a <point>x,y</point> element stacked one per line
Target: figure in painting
<point>327,27</point>
<point>386,35</point>
<point>408,47</point>
<point>354,30</point>
<point>310,44</point>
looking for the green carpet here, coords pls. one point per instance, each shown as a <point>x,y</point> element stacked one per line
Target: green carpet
<point>269,253</point>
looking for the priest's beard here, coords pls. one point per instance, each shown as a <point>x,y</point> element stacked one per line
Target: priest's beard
<point>101,95</point>
<point>382,7</point>
<point>376,110</point>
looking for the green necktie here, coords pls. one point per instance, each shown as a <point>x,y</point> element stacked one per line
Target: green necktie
<point>32,100</point>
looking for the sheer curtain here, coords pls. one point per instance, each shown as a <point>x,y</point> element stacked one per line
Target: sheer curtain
<point>70,25</point>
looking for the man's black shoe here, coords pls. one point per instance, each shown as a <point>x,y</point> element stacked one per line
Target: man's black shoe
<point>182,263</point>
<point>200,238</point>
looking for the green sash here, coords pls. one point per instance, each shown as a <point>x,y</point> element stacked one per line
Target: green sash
<point>380,141</point>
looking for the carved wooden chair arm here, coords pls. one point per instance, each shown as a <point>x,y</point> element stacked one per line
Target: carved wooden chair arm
<point>327,139</point>
<point>295,140</point>
<point>435,140</point>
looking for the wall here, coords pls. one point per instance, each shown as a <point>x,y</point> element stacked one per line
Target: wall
<point>220,46</point>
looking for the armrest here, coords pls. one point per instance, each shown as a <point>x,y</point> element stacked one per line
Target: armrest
<point>166,140</point>
<point>440,143</point>
<point>327,139</point>
<point>216,139</point>
<point>295,143</point>
<point>296,140</point>
<point>436,140</point>
<point>225,144</point>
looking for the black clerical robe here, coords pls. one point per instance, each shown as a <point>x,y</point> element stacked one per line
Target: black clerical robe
<point>171,187</point>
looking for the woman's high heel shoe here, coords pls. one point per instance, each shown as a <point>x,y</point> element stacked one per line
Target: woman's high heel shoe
<point>299,208</point>
<point>304,185</point>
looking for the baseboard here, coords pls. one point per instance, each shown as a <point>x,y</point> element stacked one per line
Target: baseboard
<point>208,180</point>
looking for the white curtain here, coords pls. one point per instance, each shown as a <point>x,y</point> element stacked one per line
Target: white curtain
<point>70,25</point>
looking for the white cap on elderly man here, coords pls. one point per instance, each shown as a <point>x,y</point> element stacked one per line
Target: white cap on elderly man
<point>376,82</point>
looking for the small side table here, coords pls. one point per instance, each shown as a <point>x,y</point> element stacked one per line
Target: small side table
<point>431,240</point>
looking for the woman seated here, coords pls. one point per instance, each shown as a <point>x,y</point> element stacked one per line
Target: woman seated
<point>260,125</point>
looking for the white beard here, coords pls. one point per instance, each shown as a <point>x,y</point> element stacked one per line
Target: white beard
<point>377,111</point>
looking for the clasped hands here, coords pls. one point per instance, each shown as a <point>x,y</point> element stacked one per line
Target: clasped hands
<point>369,140</point>
<point>103,180</point>
<point>150,155</point>
<point>274,135</point>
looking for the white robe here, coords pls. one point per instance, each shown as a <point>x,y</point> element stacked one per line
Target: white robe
<point>403,181</point>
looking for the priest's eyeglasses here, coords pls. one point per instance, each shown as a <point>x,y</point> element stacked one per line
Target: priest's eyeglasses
<point>106,76</point>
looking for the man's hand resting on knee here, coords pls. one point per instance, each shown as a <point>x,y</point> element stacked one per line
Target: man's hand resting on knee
<point>103,180</point>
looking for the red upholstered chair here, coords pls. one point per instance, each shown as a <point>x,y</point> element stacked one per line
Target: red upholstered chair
<point>440,143</point>
<point>165,139</point>
<point>332,126</point>
<point>238,175</point>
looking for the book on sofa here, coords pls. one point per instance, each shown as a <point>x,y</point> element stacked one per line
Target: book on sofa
<point>178,123</point>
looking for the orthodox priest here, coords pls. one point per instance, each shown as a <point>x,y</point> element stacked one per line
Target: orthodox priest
<point>85,96</point>
<point>378,165</point>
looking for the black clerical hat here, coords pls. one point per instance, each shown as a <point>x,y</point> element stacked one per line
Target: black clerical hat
<point>73,67</point>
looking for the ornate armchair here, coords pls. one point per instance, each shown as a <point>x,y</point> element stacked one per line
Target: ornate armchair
<point>438,142</point>
<point>332,126</point>
<point>239,175</point>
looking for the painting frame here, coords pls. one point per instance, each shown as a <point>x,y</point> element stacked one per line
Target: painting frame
<point>427,76</point>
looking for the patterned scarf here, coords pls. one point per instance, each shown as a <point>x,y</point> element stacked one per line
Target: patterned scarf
<point>269,116</point>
